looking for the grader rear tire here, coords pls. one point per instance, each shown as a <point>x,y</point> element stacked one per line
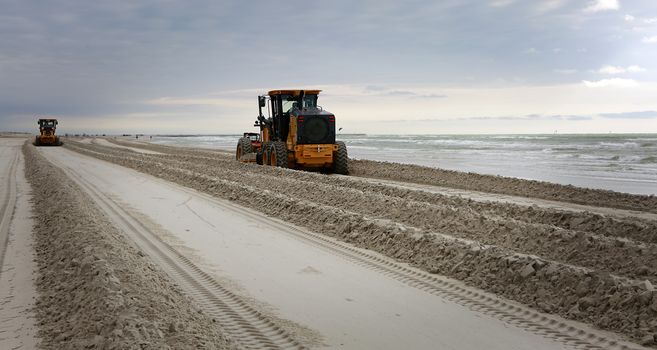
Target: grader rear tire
<point>278,154</point>
<point>243,147</point>
<point>340,159</point>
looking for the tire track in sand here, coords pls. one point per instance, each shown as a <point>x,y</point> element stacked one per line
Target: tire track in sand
<point>8,205</point>
<point>243,323</point>
<point>519,316</point>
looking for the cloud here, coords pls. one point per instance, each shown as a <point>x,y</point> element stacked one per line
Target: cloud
<point>630,18</point>
<point>132,52</point>
<point>631,115</point>
<point>383,91</point>
<point>199,101</point>
<point>501,3</point>
<point>635,69</point>
<point>642,24</point>
<point>432,96</point>
<point>412,94</point>
<point>614,82</point>
<point>602,5</point>
<point>553,117</point>
<point>399,93</point>
<point>549,5</point>
<point>542,117</point>
<point>374,88</point>
<point>578,117</point>
<point>565,71</point>
<point>528,117</point>
<point>611,70</point>
<point>608,69</point>
<point>650,39</point>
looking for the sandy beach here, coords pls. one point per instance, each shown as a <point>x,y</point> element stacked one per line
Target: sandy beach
<point>110,243</point>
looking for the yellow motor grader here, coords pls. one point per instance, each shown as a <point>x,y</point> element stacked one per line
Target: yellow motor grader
<point>298,134</point>
<point>47,135</point>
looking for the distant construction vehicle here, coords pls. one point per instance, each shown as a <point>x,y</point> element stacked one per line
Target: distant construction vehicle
<point>298,134</point>
<point>47,135</point>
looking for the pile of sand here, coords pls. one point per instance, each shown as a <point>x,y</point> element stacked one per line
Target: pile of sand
<point>160,148</point>
<point>499,184</point>
<point>582,266</point>
<point>95,289</point>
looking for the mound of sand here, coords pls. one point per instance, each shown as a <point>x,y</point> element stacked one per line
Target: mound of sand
<point>499,184</point>
<point>95,289</point>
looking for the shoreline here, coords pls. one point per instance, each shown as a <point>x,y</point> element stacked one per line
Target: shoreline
<point>599,161</point>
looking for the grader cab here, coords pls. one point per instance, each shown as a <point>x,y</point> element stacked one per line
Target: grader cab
<point>297,134</point>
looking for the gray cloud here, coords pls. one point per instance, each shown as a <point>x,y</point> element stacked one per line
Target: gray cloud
<point>374,89</point>
<point>631,115</point>
<point>542,117</point>
<point>383,91</point>
<point>412,94</point>
<point>92,58</point>
<point>529,117</point>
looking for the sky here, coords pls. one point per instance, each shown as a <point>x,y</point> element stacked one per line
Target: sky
<point>385,67</point>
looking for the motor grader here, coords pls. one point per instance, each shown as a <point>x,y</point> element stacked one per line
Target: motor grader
<point>297,134</point>
<point>47,135</point>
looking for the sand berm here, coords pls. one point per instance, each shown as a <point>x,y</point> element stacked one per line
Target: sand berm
<point>96,290</point>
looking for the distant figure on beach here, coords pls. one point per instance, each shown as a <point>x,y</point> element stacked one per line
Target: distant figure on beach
<point>151,137</point>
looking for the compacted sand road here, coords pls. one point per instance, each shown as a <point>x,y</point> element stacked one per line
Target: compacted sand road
<point>305,287</point>
<point>17,267</point>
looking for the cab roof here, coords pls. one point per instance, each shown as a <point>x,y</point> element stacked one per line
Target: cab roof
<point>293,92</point>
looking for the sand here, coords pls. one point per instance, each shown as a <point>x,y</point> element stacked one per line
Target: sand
<point>95,289</point>
<point>17,267</point>
<point>394,256</point>
<point>504,185</point>
<point>108,143</point>
<point>304,282</point>
<point>585,266</point>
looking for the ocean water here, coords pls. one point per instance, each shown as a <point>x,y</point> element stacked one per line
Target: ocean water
<point>619,162</point>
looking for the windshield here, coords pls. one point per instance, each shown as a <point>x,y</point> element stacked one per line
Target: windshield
<point>309,101</point>
<point>48,123</point>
